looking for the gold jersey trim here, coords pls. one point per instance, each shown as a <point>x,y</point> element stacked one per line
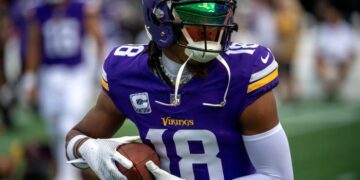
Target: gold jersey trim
<point>105,84</point>
<point>262,82</point>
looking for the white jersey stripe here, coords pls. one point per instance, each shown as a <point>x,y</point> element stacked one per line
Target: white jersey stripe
<point>263,73</point>
<point>104,74</point>
<point>240,51</point>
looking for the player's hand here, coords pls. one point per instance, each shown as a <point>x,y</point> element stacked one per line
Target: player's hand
<point>101,155</point>
<point>160,174</point>
<point>29,85</point>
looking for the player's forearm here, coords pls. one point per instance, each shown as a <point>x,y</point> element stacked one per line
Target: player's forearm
<point>80,132</point>
<point>269,152</point>
<point>102,121</point>
<point>33,49</point>
<point>72,133</point>
<point>74,139</point>
<point>99,39</point>
<point>32,63</point>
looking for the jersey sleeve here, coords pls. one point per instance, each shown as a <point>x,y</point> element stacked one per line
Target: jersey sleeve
<point>264,74</point>
<point>117,65</point>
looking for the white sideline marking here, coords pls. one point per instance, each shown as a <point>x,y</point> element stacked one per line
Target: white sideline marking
<point>348,176</point>
<point>316,120</point>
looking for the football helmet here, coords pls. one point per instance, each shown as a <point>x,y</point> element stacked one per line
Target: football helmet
<point>206,25</point>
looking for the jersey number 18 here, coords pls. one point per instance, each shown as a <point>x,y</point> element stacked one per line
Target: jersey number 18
<point>181,139</point>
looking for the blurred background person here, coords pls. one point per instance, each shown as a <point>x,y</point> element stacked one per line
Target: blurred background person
<point>5,90</point>
<point>288,19</point>
<point>57,76</point>
<point>19,12</point>
<point>13,37</point>
<point>262,23</point>
<point>10,154</point>
<point>335,49</point>
<point>121,22</point>
<point>257,23</point>
<point>111,19</point>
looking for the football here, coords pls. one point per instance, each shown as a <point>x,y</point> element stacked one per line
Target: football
<point>139,154</point>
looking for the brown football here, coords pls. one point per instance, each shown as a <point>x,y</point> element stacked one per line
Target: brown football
<point>139,154</point>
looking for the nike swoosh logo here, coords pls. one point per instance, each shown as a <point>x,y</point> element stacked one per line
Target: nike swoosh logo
<point>266,59</point>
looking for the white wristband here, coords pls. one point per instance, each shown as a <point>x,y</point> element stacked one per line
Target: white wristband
<point>70,151</point>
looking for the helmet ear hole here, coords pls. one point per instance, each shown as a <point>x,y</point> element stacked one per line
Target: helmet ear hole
<point>156,16</point>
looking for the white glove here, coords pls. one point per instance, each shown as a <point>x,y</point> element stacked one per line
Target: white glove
<point>101,154</point>
<point>160,174</point>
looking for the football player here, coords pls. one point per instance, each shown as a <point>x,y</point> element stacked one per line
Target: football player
<point>205,104</point>
<point>57,70</point>
<point>335,50</point>
<point>5,90</point>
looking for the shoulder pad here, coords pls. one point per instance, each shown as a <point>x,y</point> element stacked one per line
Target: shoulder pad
<point>264,64</point>
<point>118,56</point>
<point>264,74</point>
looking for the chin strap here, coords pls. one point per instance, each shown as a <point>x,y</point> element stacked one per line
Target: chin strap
<point>176,100</point>
<point>222,103</point>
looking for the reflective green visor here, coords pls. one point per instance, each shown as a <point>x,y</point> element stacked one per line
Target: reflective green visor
<point>203,13</point>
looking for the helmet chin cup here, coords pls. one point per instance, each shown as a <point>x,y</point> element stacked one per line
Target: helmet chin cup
<point>203,56</point>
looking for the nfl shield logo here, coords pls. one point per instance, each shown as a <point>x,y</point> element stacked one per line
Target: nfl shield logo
<point>141,103</point>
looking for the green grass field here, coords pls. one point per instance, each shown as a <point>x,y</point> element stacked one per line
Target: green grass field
<point>324,138</point>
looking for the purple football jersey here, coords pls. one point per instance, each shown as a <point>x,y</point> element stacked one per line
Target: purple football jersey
<point>193,141</point>
<point>62,33</point>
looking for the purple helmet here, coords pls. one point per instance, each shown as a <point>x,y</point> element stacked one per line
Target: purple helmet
<point>167,20</point>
